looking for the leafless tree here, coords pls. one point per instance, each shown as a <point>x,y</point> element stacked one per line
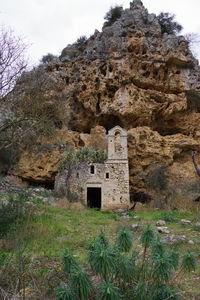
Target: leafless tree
<point>194,42</point>
<point>12,59</point>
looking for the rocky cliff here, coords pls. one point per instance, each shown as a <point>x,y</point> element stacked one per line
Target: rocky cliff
<point>131,75</point>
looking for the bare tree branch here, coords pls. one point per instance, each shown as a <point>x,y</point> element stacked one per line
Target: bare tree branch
<point>12,59</point>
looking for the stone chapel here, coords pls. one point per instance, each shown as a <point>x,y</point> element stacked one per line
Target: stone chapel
<point>105,185</point>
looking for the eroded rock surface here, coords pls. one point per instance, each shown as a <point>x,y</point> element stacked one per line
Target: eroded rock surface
<point>147,82</point>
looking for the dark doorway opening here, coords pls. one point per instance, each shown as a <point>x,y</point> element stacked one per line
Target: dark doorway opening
<point>94,197</point>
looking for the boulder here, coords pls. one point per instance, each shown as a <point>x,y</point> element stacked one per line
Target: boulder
<point>135,227</point>
<point>197,225</point>
<point>185,222</point>
<point>191,242</point>
<point>174,239</point>
<point>160,223</point>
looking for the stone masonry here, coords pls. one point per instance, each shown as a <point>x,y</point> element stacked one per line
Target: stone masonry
<point>104,186</point>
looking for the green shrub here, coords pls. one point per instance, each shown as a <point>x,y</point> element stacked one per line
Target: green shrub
<point>147,236</point>
<point>113,14</point>
<point>48,58</point>
<point>68,262</point>
<point>124,239</point>
<point>11,214</point>
<point>189,262</point>
<point>107,291</point>
<point>158,178</point>
<point>8,156</point>
<point>193,100</point>
<point>81,42</point>
<point>89,155</point>
<point>167,23</point>
<point>102,259</point>
<point>4,255</point>
<point>169,217</point>
<point>119,275</point>
<point>81,283</point>
<point>65,293</point>
<point>71,196</point>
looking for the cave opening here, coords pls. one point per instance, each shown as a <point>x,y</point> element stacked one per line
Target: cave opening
<point>163,131</point>
<point>48,185</point>
<point>166,127</point>
<point>140,197</point>
<point>89,121</point>
<point>98,109</point>
<point>109,121</point>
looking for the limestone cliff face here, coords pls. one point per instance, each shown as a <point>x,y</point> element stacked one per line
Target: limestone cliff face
<point>133,76</point>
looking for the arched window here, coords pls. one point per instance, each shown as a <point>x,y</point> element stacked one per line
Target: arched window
<point>118,146</point>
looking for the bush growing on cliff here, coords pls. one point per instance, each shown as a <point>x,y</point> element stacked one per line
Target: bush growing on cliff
<point>72,161</point>
<point>37,109</point>
<point>81,42</point>
<point>167,23</point>
<point>8,158</point>
<point>158,178</point>
<point>89,155</point>
<point>48,58</point>
<point>113,14</point>
<point>118,272</point>
<point>193,100</point>
<point>39,104</point>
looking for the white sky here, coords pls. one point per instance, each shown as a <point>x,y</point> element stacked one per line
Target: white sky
<point>49,25</point>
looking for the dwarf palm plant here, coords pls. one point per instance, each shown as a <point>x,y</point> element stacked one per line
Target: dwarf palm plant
<point>102,259</point>
<point>124,239</point>
<point>81,283</point>
<point>189,262</point>
<point>65,293</point>
<point>117,273</point>
<point>68,262</point>
<point>108,291</point>
<point>147,239</point>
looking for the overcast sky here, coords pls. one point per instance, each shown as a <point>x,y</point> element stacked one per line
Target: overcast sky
<point>49,25</point>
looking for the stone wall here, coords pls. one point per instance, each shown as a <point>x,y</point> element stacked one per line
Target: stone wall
<point>115,189</point>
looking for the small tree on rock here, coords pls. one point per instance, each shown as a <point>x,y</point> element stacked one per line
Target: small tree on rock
<point>48,58</point>
<point>167,23</point>
<point>113,14</point>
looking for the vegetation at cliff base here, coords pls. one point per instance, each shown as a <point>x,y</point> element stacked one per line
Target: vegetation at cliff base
<point>120,272</point>
<point>31,253</point>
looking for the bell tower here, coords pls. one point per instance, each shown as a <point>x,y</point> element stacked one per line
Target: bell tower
<point>117,144</point>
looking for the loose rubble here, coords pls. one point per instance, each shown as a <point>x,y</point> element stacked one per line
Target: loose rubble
<point>163,229</point>
<point>174,239</point>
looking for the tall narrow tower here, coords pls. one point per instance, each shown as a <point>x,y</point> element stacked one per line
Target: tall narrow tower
<point>116,185</point>
<point>117,144</point>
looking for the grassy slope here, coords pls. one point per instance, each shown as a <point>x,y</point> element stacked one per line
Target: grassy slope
<point>53,229</point>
